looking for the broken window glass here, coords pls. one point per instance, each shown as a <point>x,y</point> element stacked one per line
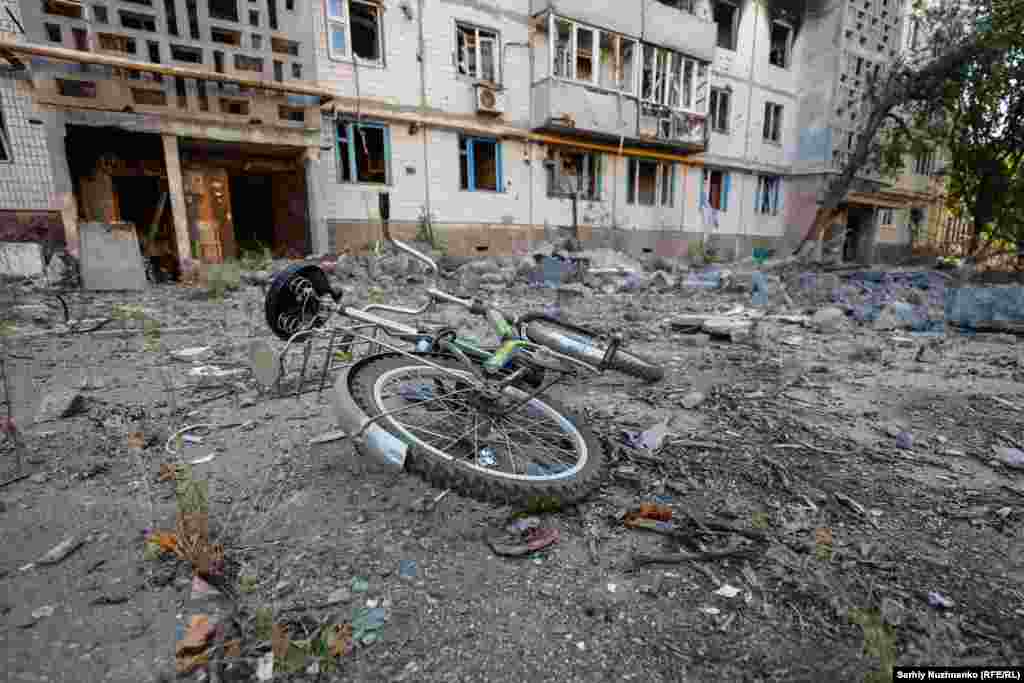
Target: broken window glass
<point>584,54</point>
<point>719,110</point>
<point>628,69</point>
<point>647,182</point>
<point>608,61</point>
<point>778,50</point>
<point>5,146</point>
<point>772,131</point>
<point>571,171</point>
<point>648,75</point>
<point>715,189</point>
<point>363,151</point>
<point>479,164</point>
<point>563,49</point>
<point>476,53</point>
<point>725,17</point>
<point>675,80</point>
<point>224,9</point>
<point>366,30</point>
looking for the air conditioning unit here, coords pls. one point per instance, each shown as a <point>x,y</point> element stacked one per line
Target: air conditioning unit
<point>489,100</point>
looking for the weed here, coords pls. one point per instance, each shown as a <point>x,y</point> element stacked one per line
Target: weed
<point>879,641</point>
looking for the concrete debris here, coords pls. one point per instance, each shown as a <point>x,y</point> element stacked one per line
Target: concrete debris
<point>211,375</point>
<point>21,259</point>
<point>829,319</point>
<point>193,353</point>
<point>694,340</point>
<point>60,403</point>
<point>1011,457</point>
<point>61,551</point>
<point>693,400</point>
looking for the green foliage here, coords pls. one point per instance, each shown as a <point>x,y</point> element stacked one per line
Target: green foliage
<point>257,258</point>
<point>879,642</point>
<point>222,277</point>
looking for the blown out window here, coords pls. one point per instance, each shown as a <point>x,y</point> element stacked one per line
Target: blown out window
<point>364,150</point>
<point>480,164</point>
<point>650,183</point>
<point>354,28</point>
<point>571,171</point>
<point>477,53</point>
<point>5,145</point>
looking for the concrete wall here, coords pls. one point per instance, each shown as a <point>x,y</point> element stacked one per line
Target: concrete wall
<point>33,202</point>
<point>295,24</point>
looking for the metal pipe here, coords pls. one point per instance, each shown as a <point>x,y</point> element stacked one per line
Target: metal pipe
<point>390,325</point>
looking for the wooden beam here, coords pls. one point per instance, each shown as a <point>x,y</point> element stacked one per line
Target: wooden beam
<point>80,57</point>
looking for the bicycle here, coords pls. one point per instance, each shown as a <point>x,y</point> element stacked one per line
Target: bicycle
<point>463,417</point>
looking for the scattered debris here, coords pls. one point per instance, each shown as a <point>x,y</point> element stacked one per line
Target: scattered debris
<point>62,550</point>
<point>328,437</point>
<point>212,375</point>
<point>727,591</point>
<point>905,440</point>
<point>192,354</point>
<point>203,460</point>
<point>359,585</point>
<point>520,545</point>
<point>60,403</point>
<point>693,400</point>
<point>939,600</point>
<point>407,569</point>
<point>43,612</point>
<point>1011,457</point>
<point>650,439</point>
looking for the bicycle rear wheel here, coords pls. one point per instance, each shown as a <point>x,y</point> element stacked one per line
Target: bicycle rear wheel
<point>511,449</point>
<point>589,348</point>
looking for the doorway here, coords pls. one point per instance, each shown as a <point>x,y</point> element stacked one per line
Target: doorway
<point>253,209</point>
<point>860,234</point>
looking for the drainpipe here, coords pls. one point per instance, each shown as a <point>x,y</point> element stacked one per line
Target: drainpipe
<point>421,57</point>
<point>750,104</point>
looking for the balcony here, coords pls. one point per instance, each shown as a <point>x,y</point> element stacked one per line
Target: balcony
<point>659,23</point>
<point>607,86</point>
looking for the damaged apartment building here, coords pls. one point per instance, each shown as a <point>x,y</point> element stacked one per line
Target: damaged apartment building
<point>192,121</point>
<point>666,127</point>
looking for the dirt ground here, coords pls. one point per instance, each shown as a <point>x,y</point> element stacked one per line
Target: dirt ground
<point>794,440</point>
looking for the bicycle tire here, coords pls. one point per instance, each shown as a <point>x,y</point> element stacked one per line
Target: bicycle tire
<point>588,348</point>
<point>460,474</point>
<point>281,301</point>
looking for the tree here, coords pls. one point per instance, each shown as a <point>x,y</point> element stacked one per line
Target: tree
<point>963,39</point>
<point>979,122</point>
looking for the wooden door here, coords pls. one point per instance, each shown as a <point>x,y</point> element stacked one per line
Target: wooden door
<point>209,211</point>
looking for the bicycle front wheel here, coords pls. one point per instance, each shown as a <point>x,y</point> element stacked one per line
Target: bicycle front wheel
<point>590,349</point>
<point>508,448</point>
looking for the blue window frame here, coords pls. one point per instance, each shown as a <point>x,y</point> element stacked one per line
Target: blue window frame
<point>480,164</point>
<point>364,153</point>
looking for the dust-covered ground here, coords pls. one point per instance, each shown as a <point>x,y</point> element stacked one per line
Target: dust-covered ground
<point>868,473</point>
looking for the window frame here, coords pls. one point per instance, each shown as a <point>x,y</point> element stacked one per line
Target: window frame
<point>660,168</point>
<point>666,70</point>
<point>6,149</point>
<point>593,174</point>
<point>771,127</point>
<point>788,54</point>
<point>733,29</point>
<point>716,96</point>
<point>705,189</point>
<point>619,40</point>
<point>499,175</point>
<point>350,163</point>
<point>344,22</point>
<point>467,26</point>
<point>766,184</point>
